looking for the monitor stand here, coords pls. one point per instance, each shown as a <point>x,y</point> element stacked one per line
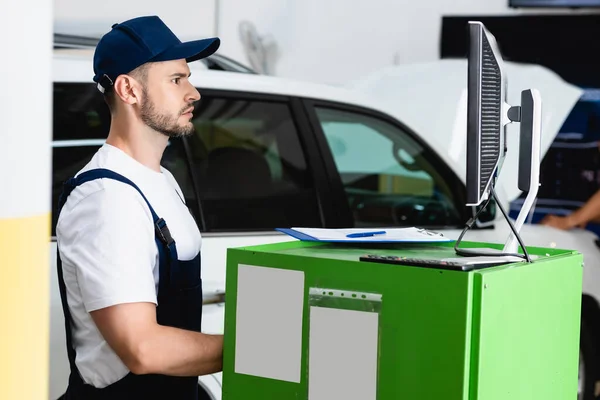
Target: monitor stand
<point>529,114</point>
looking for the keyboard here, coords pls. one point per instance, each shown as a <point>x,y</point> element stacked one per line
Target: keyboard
<point>459,263</point>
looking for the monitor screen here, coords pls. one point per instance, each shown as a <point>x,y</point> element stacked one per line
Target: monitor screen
<point>486,96</point>
<point>554,3</point>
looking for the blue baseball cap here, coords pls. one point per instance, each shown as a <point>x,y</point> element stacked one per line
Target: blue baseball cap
<point>140,40</point>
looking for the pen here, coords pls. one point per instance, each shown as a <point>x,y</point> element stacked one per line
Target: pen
<point>364,234</point>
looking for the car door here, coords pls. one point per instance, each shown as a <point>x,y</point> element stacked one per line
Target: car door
<point>249,153</point>
<point>389,176</point>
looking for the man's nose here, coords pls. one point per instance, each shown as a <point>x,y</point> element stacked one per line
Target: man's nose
<point>194,94</point>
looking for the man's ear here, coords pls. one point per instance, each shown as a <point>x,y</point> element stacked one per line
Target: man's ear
<point>127,89</point>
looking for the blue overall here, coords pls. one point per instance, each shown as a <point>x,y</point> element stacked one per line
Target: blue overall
<point>179,305</point>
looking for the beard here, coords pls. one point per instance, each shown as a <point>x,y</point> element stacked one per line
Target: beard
<point>163,123</point>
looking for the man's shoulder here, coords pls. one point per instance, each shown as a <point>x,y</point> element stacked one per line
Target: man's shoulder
<point>106,193</point>
<point>101,205</point>
<point>107,190</point>
<point>100,198</point>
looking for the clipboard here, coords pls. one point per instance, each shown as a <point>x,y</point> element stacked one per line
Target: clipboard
<point>361,235</point>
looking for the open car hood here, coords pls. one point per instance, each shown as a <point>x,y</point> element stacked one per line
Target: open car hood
<point>431,99</point>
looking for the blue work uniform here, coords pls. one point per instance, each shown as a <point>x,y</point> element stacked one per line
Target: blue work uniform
<point>179,305</point>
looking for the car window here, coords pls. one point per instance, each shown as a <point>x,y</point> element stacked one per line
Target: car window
<point>386,174</point>
<point>81,122</point>
<point>250,165</point>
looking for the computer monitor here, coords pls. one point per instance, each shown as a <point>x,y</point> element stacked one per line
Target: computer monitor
<point>488,113</point>
<point>486,99</point>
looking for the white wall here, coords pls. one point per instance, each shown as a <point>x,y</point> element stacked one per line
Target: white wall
<point>338,40</point>
<point>186,18</point>
<point>330,41</point>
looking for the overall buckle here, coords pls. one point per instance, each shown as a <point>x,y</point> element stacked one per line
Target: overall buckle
<point>162,230</point>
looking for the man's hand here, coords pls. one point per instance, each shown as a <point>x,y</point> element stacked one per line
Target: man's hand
<point>564,223</point>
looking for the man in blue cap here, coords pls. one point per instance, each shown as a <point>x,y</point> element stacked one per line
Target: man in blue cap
<point>129,249</point>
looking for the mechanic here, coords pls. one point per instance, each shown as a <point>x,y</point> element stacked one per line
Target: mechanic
<point>128,247</point>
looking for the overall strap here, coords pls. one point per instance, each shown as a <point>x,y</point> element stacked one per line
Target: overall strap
<point>167,251</point>
<point>162,234</point>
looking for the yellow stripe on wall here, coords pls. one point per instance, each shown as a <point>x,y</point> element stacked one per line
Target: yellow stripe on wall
<point>24,307</point>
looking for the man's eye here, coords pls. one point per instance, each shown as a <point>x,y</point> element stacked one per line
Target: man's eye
<point>176,80</point>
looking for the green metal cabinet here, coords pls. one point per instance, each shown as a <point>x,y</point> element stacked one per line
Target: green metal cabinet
<point>307,320</point>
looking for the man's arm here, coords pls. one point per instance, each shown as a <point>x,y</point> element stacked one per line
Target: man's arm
<point>146,347</point>
<point>109,240</point>
<point>590,211</point>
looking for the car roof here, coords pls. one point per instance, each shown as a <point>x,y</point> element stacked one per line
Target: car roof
<point>75,65</point>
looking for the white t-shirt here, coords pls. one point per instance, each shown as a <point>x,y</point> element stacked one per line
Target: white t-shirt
<point>105,236</point>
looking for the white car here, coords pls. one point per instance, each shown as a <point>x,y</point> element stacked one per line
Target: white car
<point>270,152</point>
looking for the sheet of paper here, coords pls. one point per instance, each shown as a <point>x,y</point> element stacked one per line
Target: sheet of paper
<point>342,354</point>
<point>269,312</point>
<point>392,234</point>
